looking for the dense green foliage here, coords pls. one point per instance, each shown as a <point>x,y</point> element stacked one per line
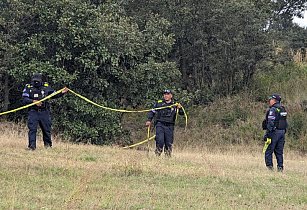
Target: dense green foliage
<point>97,51</point>
<point>123,53</point>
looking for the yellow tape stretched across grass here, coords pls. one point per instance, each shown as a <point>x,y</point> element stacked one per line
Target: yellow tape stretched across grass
<point>139,143</point>
<point>142,142</point>
<point>104,107</point>
<point>26,106</point>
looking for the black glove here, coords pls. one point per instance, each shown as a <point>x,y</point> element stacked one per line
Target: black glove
<point>265,137</point>
<point>264,123</point>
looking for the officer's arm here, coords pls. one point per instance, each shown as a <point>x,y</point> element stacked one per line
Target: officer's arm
<point>26,96</point>
<point>152,113</point>
<point>271,119</point>
<point>51,91</point>
<point>180,109</point>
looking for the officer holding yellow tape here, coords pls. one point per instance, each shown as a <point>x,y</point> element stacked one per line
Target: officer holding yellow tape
<point>164,122</point>
<point>39,114</point>
<point>275,124</point>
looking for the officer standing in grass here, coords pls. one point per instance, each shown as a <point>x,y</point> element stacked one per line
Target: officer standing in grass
<point>275,124</point>
<point>39,114</point>
<point>164,122</point>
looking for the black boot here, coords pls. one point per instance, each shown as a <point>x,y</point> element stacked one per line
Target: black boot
<point>280,168</point>
<point>168,153</point>
<point>158,152</point>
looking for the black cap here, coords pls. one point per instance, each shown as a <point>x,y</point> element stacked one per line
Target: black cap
<point>277,97</point>
<point>37,77</point>
<point>167,91</point>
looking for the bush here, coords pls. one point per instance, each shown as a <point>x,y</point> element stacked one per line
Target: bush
<point>297,131</point>
<point>297,125</point>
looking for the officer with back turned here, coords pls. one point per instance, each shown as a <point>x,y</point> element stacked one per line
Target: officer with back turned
<point>39,114</point>
<point>275,124</point>
<point>165,121</point>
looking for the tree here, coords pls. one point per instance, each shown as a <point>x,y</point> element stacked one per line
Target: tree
<point>283,12</point>
<point>9,34</point>
<point>218,43</point>
<point>99,52</point>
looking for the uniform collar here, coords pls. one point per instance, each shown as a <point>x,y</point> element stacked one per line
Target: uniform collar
<point>277,104</point>
<point>172,101</point>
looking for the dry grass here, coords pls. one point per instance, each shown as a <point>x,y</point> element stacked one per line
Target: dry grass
<point>91,177</point>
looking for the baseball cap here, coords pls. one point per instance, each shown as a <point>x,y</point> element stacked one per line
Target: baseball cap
<point>277,97</point>
<point>167,91</point>
<point>37,77</point>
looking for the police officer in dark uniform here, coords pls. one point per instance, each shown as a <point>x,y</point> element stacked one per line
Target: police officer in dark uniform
<point>39,114</point>
<point>275,125</point>
<point>164,122</point>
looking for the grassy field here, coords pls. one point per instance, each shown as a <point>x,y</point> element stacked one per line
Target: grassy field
<point>91,177</point>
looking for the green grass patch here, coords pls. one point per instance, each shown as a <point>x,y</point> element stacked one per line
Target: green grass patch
<point>130,179</point>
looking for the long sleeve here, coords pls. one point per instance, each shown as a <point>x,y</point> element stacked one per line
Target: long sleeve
<point>151,114</point>
<point>271,120</point>
<point>26,96</point>
<point>51,90</point>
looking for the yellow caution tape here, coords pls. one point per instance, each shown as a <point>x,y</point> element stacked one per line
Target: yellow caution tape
<point>186,118</point>
<point>148,132</point>
<point>88,100</point>
<point>267,143</point>
<point>129,111</point>
<point>139,143</point>
<point>37,102</point>
<point>142,142</point>
<point>119,110</point>
<point>107,108</point>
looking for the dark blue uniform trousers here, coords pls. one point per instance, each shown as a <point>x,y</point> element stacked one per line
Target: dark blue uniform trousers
<point>164,138</point>
<point>276,147</point>
<point>43,119</point>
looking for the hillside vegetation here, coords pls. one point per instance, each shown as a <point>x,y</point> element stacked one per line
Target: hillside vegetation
<point>236,120</point>
<point>71,176</point>
<point>122,54</point>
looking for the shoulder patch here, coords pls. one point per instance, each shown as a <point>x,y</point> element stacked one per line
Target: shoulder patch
<point>160,101</point>
<point>28,85</point>
<point>46,84</point>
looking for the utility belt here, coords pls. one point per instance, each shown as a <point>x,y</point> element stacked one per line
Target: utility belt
<point>279,129</point>
<point>39,109</point>
<point>165,123</point>
<point>279,126</point>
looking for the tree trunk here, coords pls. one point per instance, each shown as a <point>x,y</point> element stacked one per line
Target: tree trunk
<point>182,65</point>
<point>6,92</point>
